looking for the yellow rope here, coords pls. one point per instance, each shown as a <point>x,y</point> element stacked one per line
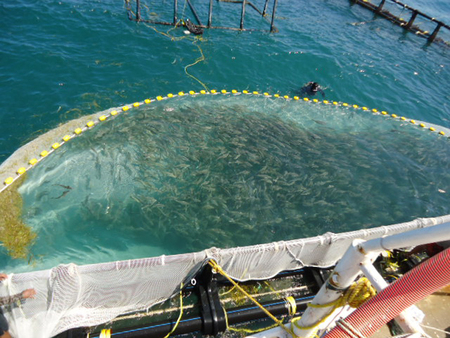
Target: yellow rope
<point>272,289</point>
<point>106,333</point>
<point>194,40</point>
<point>315,325</point>
<point>335,304</point>
<point>227,292</point>
<point>172,38</point>
<point>231,290</point>
<point>278,322</point>
<point>358,293</point>
<point>242,330</point>
<point>181,313</point>
<point>292,305</point>
<point>166,34</point>
<point>200,59</point>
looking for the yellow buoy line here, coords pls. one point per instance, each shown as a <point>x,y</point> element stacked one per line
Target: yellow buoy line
<point>32,162</point>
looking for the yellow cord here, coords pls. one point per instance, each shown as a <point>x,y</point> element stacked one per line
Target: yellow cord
<point>166,34</point>
<point>272,289</point>
<point>172,38</point>
<point>200,59</point>
<point>227,292</point>
<point>358,293</point>
<point>292,305</point>
<point>181,313</point>
<point>106,333</point>
<point>315,325</point>
<point>278,322</point>
<point>243,330</point>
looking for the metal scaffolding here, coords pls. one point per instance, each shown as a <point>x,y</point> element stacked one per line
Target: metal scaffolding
<point>270,18</point>
<point>406,24</point>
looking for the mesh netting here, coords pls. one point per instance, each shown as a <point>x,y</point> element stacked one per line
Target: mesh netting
<point>188,173</point>
<point>70,296</point>
<point>184,175</point>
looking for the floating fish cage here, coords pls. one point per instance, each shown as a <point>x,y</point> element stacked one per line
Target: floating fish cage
<point>201,12</point>
<point>194,171</point>
<point>411,19</point>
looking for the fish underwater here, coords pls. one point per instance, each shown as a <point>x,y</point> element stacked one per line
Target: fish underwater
<point>196,173</point>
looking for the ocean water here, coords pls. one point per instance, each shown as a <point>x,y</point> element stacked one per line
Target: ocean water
<point>61,60</point>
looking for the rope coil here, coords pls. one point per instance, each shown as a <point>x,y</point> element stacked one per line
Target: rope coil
<point>356,295</point>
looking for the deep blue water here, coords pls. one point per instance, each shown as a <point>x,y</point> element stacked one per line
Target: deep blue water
<point>64,59</point>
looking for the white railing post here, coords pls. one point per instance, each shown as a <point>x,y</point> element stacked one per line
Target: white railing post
<point>362,253</point>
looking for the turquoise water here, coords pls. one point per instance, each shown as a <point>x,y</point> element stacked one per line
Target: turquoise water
<point>63,60</point>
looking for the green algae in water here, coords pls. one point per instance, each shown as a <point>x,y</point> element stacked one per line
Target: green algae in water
<point>15,235</point>
<point>186,175</point>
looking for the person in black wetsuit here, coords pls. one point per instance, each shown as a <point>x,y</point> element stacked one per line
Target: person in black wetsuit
<point>29,293</point>
<point>311,89</point>
<point>196,30</point>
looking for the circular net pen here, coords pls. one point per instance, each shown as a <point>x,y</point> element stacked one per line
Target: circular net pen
<point>256,175</point>
<point>186,172</point>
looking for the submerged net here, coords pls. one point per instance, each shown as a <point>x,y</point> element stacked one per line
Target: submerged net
<point>187,174</point>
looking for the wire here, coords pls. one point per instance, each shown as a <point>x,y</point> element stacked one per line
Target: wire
<point>435,329</point>
<point>181,313</point>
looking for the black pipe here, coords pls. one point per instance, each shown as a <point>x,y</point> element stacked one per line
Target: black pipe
<point>279,308</point>
<point>210,13</point>
<point>175,11</point>
<point>411,20</point>
<point>212,318</point>
<point>273,15</point>
<point>436,30</point>
<point>194,12</point>
<point>254,7</point>
<point>138,11</point>
<point>235,316</point>
<point>242,14</point>
<point>265,8</point>
<point>380,6</point>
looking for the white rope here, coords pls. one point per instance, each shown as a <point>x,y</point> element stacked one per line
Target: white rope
<point>352,331</point>
<point>435,329</point>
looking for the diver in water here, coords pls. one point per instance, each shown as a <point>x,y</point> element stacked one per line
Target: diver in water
<point>311,89</point>
<point>196,30</point>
